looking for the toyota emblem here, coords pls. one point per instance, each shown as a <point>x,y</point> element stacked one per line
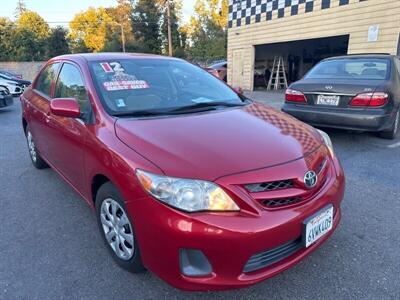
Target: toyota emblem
<point>310,179</point>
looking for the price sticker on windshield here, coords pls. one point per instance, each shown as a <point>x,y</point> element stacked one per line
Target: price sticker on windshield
<point>125,85</point>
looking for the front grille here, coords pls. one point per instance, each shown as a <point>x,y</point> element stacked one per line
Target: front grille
<point>269,257</point>
<point>269,186</point>
<point>273,203</point>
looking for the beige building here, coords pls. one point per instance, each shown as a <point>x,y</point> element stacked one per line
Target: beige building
<point>303,32</point>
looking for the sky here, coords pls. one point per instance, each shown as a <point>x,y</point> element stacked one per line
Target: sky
<point>60,12</point>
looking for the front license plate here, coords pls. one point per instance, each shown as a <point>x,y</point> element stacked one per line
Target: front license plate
<point>331,100</point>
<point>317,225</point>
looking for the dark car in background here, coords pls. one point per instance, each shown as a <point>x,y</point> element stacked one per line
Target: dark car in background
<point>356,92</point>
<point>5,97</point>
<point>10,75</point>
<point>219,70</point>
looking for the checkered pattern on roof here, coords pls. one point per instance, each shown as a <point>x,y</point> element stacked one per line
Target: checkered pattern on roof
<point>241,12</point>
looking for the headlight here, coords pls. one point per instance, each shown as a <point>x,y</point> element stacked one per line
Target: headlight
<point>327,141</point>
<point>186,194</point>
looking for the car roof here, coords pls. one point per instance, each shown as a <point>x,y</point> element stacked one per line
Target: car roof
<point>89,57</point>
<point>218,64</point>
<point>362,55</point>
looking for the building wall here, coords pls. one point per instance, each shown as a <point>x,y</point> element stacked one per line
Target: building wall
<point>28,69</point>
<point>353,17</point>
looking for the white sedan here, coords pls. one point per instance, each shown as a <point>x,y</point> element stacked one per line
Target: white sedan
<point>12,86</point>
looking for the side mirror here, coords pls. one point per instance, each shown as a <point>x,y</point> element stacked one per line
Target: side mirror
<point>65,107</point>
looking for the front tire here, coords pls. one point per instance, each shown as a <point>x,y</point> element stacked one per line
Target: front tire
<point>116,229</point>
<point>36,159</point>
<point>391,133</point>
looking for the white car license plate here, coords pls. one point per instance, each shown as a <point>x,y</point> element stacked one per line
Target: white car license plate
<point>318,225</point>
<point>331,100</point>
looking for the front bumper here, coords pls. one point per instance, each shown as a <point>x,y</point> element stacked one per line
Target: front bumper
<point>376,119</point>
<point>6,100</point>
<point>228,240</point>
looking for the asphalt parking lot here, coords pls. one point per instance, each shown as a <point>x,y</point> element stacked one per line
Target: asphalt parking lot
<point>50,247</point>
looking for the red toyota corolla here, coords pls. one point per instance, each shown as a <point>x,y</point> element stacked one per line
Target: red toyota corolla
<point>188,179</point>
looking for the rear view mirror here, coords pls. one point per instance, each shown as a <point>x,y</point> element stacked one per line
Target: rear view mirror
<point>65,107</point>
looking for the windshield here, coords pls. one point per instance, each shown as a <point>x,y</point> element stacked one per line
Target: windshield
<point>148,84</point>
<point>351,68</point>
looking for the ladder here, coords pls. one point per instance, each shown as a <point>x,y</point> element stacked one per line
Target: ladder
<point>277,80</point>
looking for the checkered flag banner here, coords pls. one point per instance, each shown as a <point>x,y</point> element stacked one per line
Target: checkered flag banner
<point>244,12</point>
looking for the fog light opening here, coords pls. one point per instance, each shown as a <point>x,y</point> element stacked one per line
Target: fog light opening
<point>194,263</point>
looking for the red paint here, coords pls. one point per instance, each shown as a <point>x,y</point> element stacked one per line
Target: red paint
<point>232,147</point>
<point>65,108</point>
<point>376,99</point>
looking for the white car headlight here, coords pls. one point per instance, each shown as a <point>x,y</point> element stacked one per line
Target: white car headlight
<point>327,140</point>
<point>187,194</point>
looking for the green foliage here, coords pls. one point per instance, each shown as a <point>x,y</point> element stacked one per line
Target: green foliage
<point>178,38</point>
<point>90,27</point>
<point>208,30</point>
<point>33,22</point>
<point>7,29</point>
<point>58,43</point>
<point>146,26</point>
<point>26,48</point>
<point>208,42</point>
<point>144,23</point>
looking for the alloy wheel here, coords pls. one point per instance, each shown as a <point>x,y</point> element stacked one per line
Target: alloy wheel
<point>117,229</point>
<point>31,146</point>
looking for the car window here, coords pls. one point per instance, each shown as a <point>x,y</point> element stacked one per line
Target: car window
<point>130,85</point>
<point>351,68</point>
<point>70,84</point>
<point>46,77</point>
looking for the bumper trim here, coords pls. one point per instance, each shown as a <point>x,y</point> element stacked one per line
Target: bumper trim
<point>269,257</point>
<point>353,119</point>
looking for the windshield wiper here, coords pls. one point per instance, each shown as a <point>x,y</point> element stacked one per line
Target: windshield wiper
<point>177,110</point>
<point>204,106</point>
<point>140,113</point>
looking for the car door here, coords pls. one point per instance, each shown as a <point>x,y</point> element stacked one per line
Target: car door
<point>38,107</point>
<point>68,135</point>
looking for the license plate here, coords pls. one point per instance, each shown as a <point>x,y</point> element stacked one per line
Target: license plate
<point>317,225</point>
<point>331,100</point>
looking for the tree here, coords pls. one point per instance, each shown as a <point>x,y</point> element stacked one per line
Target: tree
<point>25,47</point>
<point>207,30</point>
<point>20,9</point>
<point>7,29</point>
<point>146,18</point>
<point>58,43</point>
<point>122,28</point>
<point>32,33</point>
<point>178,45</point>
<point>89,29</point>
<point>33,22</point>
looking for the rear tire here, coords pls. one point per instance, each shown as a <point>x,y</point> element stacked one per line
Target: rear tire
<point>116,228</point>
<point>36,159</point>
<point>391,133</point>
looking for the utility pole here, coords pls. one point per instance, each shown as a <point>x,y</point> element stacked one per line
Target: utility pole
<point>169,28</point>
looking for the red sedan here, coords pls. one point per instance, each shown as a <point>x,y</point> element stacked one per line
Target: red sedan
<point>188,179</point>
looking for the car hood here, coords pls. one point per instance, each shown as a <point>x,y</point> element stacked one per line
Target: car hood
<point>213,144</point>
